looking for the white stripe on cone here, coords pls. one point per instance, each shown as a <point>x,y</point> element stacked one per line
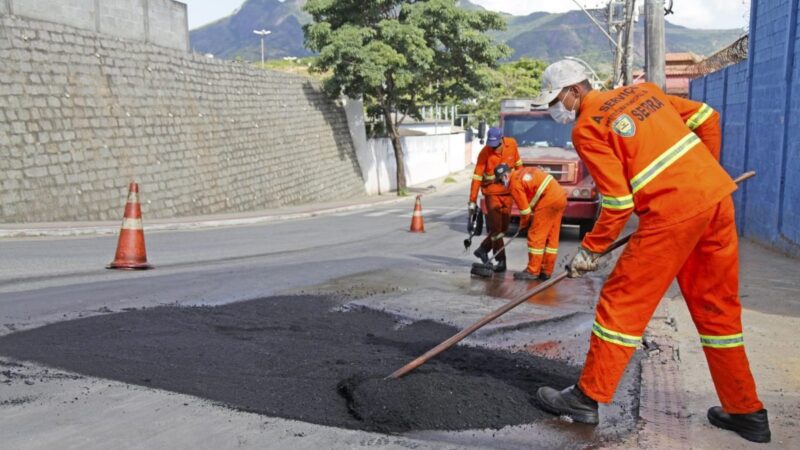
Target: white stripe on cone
<point>131,224</point>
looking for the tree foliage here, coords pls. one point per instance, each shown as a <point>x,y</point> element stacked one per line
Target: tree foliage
<point>516,79</point>
<point>397,54</point>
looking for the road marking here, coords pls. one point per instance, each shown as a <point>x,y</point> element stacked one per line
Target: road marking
<point>427,213</point>
<point>382,213</point>
<point>452,214</point>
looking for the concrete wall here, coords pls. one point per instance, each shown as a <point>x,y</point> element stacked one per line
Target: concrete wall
<point>81,114</point>
<point>426,157</point>
<point>159,22</point>
<point>167,24</point>
<point>759,100</point>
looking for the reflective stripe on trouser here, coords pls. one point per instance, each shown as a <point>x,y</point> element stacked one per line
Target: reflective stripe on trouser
<point>498,215</point>
<point>543,236</point>
<point>703,253</point>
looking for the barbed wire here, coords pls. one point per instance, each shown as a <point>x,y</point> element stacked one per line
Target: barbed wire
<point>732,54</point>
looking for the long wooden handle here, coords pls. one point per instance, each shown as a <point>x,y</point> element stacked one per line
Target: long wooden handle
<point>494,256</point>
<point>458,337</point>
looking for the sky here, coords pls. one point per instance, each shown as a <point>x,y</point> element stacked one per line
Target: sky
<point>709,14</point>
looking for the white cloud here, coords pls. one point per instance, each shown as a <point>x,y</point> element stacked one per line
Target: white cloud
<point>710,14</point>
<point>201,12</point>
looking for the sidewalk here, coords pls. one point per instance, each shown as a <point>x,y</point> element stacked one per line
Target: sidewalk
<point>676,383</point>
<point>68,229</point>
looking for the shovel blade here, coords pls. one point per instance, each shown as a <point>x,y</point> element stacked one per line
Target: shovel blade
<point>482,270</point>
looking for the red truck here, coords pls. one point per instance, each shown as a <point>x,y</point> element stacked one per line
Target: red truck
<point>547,144</point>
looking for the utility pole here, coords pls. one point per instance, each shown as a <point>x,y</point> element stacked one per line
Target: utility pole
<point>600,27</point>
<point>614,28</point>
<point>654,41</point>
<point>627,64</point>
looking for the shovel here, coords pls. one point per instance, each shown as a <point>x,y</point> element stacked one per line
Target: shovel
<point>458,337</point>
<point>487,269</point>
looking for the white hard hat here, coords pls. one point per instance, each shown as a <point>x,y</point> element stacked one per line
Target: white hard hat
<point>556,77</point>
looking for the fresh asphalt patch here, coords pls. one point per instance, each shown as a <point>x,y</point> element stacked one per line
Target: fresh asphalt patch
<point>304,358</point>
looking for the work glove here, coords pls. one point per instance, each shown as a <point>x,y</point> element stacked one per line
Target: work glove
<point>525,221</point>
<point>471,207</point>
<point>584,261</point>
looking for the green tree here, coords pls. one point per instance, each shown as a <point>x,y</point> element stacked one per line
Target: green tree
<point>516,79</point>
<point>396,53</point>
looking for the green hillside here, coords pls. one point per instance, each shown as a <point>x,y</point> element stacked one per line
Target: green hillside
<point>539,35</point>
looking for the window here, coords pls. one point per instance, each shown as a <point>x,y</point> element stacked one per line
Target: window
<point>538,131</point>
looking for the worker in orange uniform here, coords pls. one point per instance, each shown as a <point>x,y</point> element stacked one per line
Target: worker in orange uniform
<point>498,150</point>
<point>538,195</point>
<point>658,156</point>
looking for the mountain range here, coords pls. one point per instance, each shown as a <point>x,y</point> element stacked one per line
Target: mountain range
<point>541,35</point>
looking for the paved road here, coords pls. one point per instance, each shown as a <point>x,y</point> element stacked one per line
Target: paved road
<point>222,265</point>
<point>367,255</point>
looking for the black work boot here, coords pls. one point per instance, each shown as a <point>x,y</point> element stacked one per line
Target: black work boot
<point>753,426</point>
<point>544,277</point>
<point>482,254</point>
<point>500,267</point>
<point>570,402</point>
<point>525,276</point>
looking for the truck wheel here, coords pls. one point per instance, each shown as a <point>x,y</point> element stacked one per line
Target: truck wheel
<point>584,227</point>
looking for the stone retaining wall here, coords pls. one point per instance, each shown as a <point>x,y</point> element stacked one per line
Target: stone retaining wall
<point>81,114</point>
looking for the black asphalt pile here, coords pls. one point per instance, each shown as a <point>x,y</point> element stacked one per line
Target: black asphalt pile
<point>431,401</point>
<point>301,357</point>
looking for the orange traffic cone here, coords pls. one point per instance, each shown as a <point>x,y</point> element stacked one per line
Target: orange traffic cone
<point>417,224</point>
<point>130,249</point>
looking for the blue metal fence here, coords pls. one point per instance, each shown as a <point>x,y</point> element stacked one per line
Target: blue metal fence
<point>759,103</point>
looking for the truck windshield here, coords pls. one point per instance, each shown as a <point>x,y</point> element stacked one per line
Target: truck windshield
<point>538,131</point>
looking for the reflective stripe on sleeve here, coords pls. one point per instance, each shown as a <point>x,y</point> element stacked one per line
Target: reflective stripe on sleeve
<point>663,161</point>
<point>535,251</point>
<point>477,178</point>
<point>518,163</point>
<point>729,341</point>
<point>525,211</point>
<point>541,189</point>
<point>488,177</point>
<point>615,337</point>
<point>624,202</point>
<point>551,251</point>
<point>699,117</point>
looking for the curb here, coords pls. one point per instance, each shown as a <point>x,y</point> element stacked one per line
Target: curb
<point>662,406</point>
<point>426,188</point>
<point>100,230</point>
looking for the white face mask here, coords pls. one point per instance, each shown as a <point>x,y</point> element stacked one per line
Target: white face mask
<point>561,114</point>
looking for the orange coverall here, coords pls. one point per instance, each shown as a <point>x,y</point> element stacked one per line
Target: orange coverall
<point>657,155</point>
<point>536,191</point>
<point>498,199</point>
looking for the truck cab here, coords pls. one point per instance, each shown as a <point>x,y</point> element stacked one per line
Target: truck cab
<point>546,144</point>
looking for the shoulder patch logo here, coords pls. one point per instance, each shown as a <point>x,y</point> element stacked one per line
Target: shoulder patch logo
<point>598,119</point>
<point>527,177</point>
<point>624,126</point>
